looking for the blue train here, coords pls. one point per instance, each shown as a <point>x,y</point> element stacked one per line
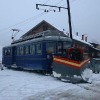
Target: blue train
<point>35,53</point>
<point>47,52</point>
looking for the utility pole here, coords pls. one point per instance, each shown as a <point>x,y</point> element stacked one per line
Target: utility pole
<point>69,19</point>
<point>69,15</point>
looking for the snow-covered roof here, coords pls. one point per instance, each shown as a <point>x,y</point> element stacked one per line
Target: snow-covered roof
<point>80,40</point>
<point>83,41</point>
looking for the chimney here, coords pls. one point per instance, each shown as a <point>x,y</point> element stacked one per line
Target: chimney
<point>82,37</point>
<point>86,38</point>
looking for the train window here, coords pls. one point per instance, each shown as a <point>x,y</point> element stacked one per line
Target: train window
<point>17,50</point>
<point>86,55</point>
<point>59,48</point>
<point>32,49</point>
<point>51,47</point>
<point>7,52</point>
<point>3,52</point>
<point>38,48</point>
<point>98,54</point>
<point>26,48</point>
<point>21,50</point>
<point>75,54</point>
<point>66,45</point>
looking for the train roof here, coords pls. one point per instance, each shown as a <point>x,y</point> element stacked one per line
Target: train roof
<point>42,36</point>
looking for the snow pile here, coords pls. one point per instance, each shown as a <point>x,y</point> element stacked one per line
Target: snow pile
<point>87,75</point>
<point>56,74</point>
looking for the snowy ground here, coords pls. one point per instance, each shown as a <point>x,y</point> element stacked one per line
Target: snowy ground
<point>25,85</point>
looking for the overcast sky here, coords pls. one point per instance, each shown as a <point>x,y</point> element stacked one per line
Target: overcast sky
<point>23,15</point>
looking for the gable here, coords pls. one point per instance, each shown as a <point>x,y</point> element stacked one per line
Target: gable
<point>42,26</point>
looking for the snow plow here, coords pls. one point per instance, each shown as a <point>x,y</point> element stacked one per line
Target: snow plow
<point>73,68</point>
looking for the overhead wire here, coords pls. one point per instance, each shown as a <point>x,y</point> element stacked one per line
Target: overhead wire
<point>40,15</point>
<point>59,2</point>
<point>72,1</point>
<point>32,18</point>
<point>71,17</point>
<point>64,5</point>
<point>46,1</point>
<point>74,28</point>
<point>26,20</point>
<point>21,22</point>
<point>55,5</point>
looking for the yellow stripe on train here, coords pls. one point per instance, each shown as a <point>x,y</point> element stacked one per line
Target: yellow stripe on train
<point>70,63</point>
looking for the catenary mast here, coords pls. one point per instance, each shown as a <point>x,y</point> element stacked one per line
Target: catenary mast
<point>69,14</point>
<point>69,19</point>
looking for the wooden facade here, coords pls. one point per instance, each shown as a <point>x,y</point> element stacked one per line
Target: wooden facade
<point>42,26</point>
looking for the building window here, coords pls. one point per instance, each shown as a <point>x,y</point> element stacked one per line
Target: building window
<point>45,28</point>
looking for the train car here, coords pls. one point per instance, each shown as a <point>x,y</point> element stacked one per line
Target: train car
<point>35,53</point>
<point>48,52</point>
<point>8,57</point>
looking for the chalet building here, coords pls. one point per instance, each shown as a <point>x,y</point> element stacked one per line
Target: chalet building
<point>42,26</point>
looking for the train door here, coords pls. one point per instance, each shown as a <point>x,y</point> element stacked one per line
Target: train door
<point>7,56</point>
<point>50,51</point>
